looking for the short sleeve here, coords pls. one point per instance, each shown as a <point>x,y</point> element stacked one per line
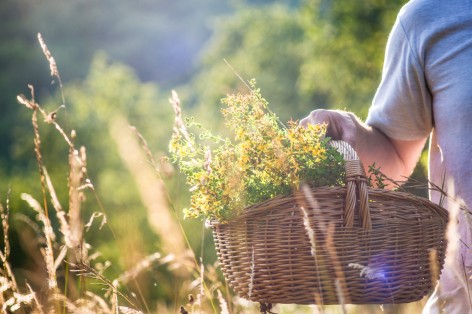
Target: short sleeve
<point>402,106</point>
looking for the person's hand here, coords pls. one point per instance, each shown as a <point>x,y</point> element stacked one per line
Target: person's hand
<point>342,125</point>
<point>397,158</point>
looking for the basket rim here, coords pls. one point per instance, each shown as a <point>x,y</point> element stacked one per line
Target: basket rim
<point>338,191</point>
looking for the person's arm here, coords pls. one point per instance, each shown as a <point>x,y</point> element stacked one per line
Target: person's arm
<point>396,159</point>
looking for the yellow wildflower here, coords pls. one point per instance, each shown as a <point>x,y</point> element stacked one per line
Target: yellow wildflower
<point>263,159</point>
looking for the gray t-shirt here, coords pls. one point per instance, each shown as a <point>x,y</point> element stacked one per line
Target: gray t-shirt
<point>426,89</point>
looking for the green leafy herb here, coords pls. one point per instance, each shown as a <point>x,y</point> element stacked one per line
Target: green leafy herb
<point>262,159</point>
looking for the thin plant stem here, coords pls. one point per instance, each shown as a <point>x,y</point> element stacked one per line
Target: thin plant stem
<point>173,209</point>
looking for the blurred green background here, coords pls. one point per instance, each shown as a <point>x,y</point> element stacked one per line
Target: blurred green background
<point>119,61</point>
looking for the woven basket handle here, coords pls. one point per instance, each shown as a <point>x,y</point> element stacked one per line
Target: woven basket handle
<point>355,178</point>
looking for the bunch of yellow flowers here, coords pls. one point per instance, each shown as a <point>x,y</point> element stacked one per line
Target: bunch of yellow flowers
<point>262,159</point>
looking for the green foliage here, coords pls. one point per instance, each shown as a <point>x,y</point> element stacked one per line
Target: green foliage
<point>112,90</point>
<point>376,177</point>
<point>263,159</point>
<point>22,63</point>
<point>262,42</point>
<point>344,46</point>
<point>322,54</point>
<point>157,38</point>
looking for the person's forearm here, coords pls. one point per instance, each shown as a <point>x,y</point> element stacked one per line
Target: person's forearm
<point>373,146</point>
<point>396,159</point>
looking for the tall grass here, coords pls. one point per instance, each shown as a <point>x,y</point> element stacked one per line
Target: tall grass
<point>68,264</point>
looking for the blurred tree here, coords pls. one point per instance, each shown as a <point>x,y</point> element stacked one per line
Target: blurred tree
<point>288,3</point>
<point>160,39</point>
<point>344,48</point>
<point>21,63</point>
<point>323,54</point>
<point>258,42</point>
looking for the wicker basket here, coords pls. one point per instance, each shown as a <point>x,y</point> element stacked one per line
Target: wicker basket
<point>334,245</point>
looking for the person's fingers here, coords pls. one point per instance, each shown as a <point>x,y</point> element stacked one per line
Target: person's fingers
<point>330,117</point>
<point>341,125</point>
<point>315,117</point>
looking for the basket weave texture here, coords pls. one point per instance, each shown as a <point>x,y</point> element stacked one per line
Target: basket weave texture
<point>334,245</point>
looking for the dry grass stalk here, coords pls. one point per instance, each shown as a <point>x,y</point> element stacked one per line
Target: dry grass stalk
<point>30,104</point>
<point>48,251</point>
<point>201,293</point>
<point>94,216</point>
<point>313,205</point>
<point>143,265</point>
<point>37,305</point>
<point>311,236</point>
<point>49,118</point>
<point>4,215</point>
<point>368,272</point>
<point>90,304</point>
<point>47,227</point>
<point>49,57</point>
<point>433,264</point>
<point>15,303</point>
<point>179,125</point>
<point>309,230</point>
<point>340,291</point>
<point>77,175</point>
<point>39,158</point>
<point>168,225</point>
<point>48,255</point>
<point>70,225</point>
<point>11,299</point>
<point>238,75</point>
<point>52,191</point>
<point>151,189</point>
<point>86,270</point>
<point>96,300</point>
<point>4,287</point>
<point>61,215</point>
<point>10,279</point>
<point>340,282</point>
<point>60,257</point>
<point>328,230</point>
<point>52,63</point>
<point>452,233</point>
<point>8,282</point>
<point>70,307</point>
<point>150,158</point>
<point>253,273</point>
<point>458,213</point>
<point>33,225</point>
<point>145,147</point>
<point>127,310</point>
<point>466,278</point>
<point>223,303</point>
